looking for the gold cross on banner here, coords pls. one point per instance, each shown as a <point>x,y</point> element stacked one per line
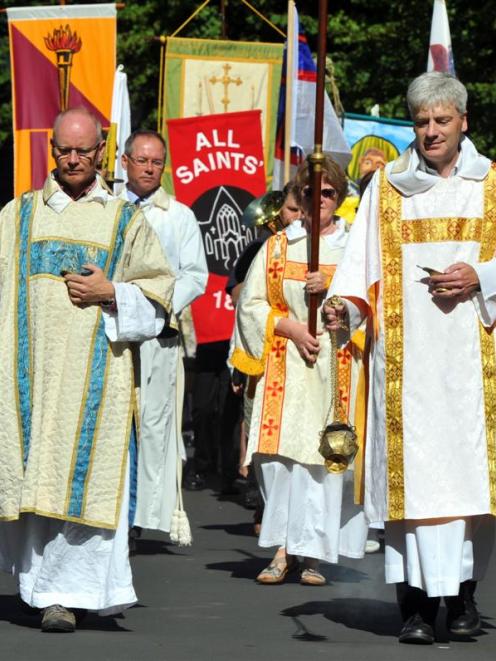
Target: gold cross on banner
<point>226,80</point>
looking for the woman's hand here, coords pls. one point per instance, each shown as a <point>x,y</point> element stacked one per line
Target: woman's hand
<point>316,283</point>
<point>308,346</point>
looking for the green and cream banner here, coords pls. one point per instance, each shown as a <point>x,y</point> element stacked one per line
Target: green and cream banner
<point>206,77</point>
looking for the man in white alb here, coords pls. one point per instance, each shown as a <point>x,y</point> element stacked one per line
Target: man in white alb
<point>420,264</point>
<point>162,376</point>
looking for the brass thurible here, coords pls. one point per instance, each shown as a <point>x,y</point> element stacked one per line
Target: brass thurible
<point>338,441</point>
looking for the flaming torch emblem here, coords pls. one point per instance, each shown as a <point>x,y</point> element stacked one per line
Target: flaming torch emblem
<point>65,43</point>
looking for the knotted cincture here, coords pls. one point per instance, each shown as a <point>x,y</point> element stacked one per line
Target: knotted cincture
<point>180,530</point>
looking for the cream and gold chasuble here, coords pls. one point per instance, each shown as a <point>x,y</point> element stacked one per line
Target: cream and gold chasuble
<point>66,393</point>
<point>431,444</point>
<point>292,400</point>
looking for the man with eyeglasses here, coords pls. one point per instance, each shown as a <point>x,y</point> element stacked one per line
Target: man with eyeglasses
<point>81,275</point>
<point>161,448</point>
<point>420,265</point>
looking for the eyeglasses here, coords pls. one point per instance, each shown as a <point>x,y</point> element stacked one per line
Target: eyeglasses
<point>142,162</point>
<point>82,152</point>
<point>328,193</point>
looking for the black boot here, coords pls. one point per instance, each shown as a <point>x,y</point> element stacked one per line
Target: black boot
<point>419,615</point>
<point>463,618</point>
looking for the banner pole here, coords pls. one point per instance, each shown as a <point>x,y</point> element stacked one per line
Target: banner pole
<point>288,120</point>
<point>316,159</point>
<point>223,5</point>
<point>161,86</point>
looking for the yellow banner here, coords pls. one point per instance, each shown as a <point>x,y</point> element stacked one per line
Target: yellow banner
<point>61,57</point>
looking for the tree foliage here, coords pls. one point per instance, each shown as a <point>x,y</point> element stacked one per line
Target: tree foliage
<point>377,47</point>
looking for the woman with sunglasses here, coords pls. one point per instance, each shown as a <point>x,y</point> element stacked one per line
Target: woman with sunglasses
<point>292,402</point>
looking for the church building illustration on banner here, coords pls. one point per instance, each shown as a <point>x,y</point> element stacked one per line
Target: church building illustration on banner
<point>219,213</point>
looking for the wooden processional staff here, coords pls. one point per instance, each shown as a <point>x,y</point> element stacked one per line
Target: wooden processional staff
<point>316,159</point>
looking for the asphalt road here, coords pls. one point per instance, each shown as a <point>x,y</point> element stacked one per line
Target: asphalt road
<point>201,603</point>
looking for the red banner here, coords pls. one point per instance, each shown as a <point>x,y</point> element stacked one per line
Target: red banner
<point>218,169</point>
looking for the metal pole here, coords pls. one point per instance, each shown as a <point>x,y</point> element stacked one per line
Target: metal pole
<point>316,159</point>
<point>288,119</point>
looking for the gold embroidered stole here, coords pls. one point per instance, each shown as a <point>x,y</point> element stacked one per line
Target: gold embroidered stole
<point>394,233</point>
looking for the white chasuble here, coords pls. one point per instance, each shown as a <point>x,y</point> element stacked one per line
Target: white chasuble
<point>66,393</point>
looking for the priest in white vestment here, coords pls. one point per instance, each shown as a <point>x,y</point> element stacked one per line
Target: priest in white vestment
<point>431,431</point>
<point>81,275</point>
<point>161,449</point>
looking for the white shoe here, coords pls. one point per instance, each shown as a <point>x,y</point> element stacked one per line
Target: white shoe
<point>371,546</point>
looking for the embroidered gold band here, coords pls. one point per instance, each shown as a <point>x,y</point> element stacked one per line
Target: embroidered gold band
<point>390,228</point>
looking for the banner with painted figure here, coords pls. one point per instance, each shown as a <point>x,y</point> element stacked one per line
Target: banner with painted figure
<point>372,138</point>
<point>374,141</point>
<point>218,169</point>
<point>62,56</point>
<point>205,77</point>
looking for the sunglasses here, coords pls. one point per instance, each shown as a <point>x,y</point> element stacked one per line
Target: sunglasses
<point>328,193</point>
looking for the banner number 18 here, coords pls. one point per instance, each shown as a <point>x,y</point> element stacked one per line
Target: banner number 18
<point>222,300</point>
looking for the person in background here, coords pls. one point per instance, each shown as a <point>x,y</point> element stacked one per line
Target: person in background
<point>161,449</point>
<point>270,214</point>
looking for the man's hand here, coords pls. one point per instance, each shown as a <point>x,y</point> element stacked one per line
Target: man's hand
<point>89,289</point>
<point>335,316</point>
<point>316,283</point>
<point>459,280</point>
